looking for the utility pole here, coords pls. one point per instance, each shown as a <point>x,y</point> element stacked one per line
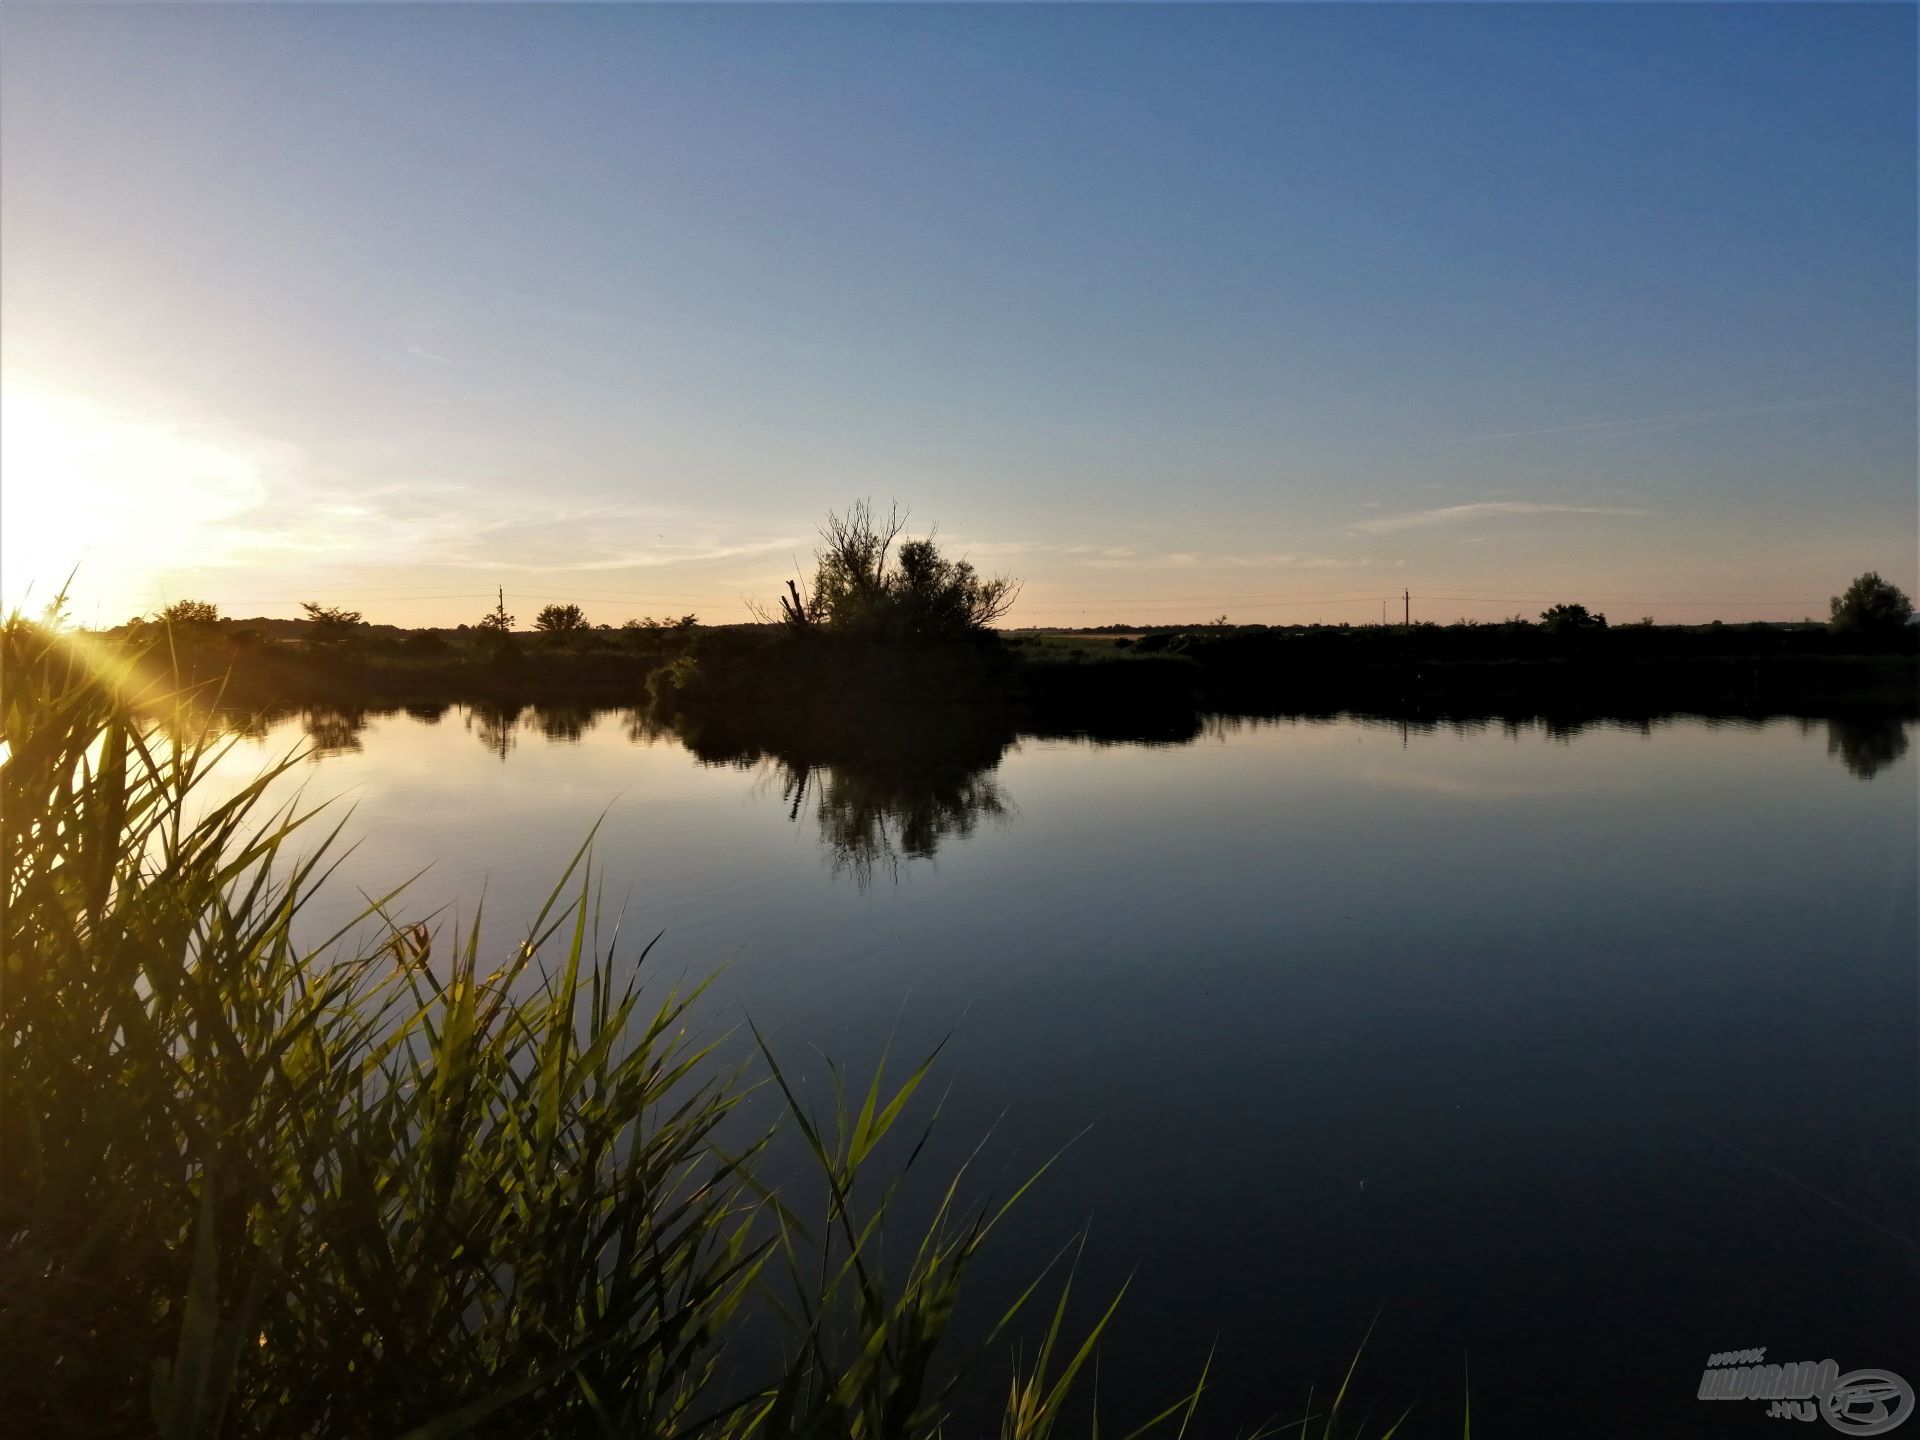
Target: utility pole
<point>1406,599</point>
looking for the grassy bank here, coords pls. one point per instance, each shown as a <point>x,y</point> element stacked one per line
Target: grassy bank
<point>257,1184</point>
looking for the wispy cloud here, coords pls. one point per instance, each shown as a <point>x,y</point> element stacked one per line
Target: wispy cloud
<point>1043,547</point>
<point>1482,510</point>
<point>1651,424</point>
<point>1287,560</point>
<point>426,354</point>
<point>1139,557</point>
<point>465,528</point>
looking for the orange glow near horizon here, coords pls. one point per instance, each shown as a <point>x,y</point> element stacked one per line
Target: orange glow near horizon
<point>113,497</point>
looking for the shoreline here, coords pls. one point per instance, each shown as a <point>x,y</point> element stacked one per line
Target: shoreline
<point>1629,671</point>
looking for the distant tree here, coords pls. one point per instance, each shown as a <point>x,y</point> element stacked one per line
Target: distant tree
<point>497,619</point>
<point>1871,604</point>
<point>331,625</point>
<point>1561,618</point>
<point>55,614</point>
<point>496,626</point>
<point>560,619</point>
<point>189,613</point>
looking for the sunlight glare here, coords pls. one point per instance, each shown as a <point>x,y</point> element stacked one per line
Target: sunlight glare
<point>122,498</point>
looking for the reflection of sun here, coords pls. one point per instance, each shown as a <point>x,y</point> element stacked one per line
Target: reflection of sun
<point>119,497</point>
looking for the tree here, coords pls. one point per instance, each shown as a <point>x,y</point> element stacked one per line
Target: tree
<point>497,619</point>
<point>924,595</point>
<point>936,597</point>
<point>1871,604</point>
<point>560,619</point>
<point>331,625</point>
<point>1561,618</point>
<point>496,626</point>
<point>850,573</point>
<point>183,614</point>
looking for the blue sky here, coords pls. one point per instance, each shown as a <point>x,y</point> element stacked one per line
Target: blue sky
<point>1275,311</point>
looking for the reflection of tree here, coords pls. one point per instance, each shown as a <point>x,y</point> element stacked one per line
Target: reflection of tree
<point>1867,743</point>
<point>246,724</point>
<point>643,727</point>
<point>427,714</point>
<point>882,789</point>
<point>869,820</point>
<point>563,724</point>
<point>494,724</point>
<point>332,730</point>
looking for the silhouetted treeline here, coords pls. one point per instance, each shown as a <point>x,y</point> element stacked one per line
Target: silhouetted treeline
<point>1750,666</point>
<point>703,669</point>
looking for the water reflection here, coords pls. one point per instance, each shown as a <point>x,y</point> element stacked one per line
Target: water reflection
<point>1572,947</point>
<point>564,724</point>
<point>884,789</point>
<point>1866,743</point>
<point>333,731</point>
<point>494,724</point>
<point>890,792</point>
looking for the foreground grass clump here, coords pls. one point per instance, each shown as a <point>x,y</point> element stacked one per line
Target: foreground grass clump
<point>255,1186</point>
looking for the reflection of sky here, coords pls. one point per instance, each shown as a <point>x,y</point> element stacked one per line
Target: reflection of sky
<point>1534,1042</point>
<point>679,835</point>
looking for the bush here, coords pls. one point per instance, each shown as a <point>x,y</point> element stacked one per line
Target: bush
<point>924,596</point>
<point>1560,619</point>
<point>679,680</point>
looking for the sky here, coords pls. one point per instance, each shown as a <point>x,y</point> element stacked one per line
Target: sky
<point>1277,312</point>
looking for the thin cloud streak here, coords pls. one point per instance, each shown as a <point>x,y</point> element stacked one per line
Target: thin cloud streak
<point>1656,422</point>
<point>1135,557</point>
<point>1482,510</point>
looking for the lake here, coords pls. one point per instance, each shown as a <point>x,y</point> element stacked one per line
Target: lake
<point>1574,1055</point>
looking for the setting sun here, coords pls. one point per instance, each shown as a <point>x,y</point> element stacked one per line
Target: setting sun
<point>120,498</point>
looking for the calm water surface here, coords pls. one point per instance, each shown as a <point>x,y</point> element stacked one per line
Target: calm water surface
<point>1579,1056</point>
